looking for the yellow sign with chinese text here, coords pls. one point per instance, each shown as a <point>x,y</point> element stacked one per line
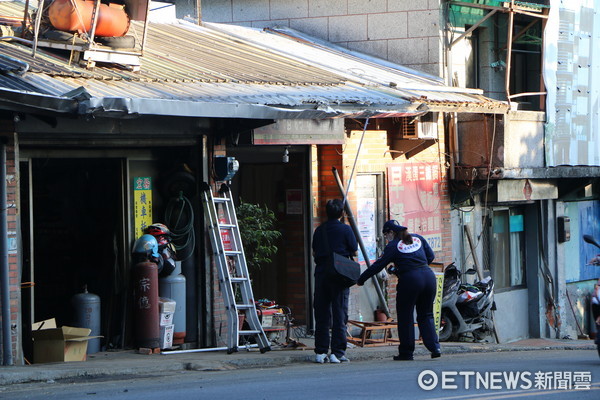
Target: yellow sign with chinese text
<point>142,201</point>
<point>437,303</point>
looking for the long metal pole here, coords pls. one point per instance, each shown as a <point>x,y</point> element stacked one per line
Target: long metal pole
<point>511,18</point>
<point>7,357</point>
<point>348,210</point>
<point>355,161</point>
<point>205,350</point>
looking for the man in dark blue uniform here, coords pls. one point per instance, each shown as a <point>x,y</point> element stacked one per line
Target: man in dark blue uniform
<point>411,256</point>
<point>331,297</point>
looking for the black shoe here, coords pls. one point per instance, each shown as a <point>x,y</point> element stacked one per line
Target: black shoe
<point>436,354</point>
<point>403,357</point>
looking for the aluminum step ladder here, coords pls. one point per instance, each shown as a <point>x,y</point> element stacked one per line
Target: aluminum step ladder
<point>231,264</point>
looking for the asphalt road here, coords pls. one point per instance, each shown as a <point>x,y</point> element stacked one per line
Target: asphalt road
<point>565,374</point>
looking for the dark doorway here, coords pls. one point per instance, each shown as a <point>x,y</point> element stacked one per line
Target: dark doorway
<point>264,179</point>
<point>77,225</point>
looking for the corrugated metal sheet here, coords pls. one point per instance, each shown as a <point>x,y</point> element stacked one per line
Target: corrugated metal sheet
<point>410,84</point>
<point>180,53</point>
<point>244,66</point>
<point>16,83</point>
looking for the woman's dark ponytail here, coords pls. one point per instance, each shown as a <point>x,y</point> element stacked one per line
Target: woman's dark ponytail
<point>406,237</point>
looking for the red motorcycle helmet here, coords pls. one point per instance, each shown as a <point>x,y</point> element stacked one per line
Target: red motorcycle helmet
<point>160,232</point>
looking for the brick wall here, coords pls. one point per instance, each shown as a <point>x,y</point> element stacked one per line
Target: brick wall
<point>12,200</point>
<point>406,32</point>
<point>218,312</point>
<point>328,157</point>
<point>373,158</point>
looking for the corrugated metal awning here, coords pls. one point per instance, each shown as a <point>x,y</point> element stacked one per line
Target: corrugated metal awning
<point>220,71</point>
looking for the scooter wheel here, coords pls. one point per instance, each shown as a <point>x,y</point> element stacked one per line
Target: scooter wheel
<point>446,328</point>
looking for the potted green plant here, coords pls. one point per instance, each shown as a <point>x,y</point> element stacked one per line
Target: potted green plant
<point>259,235</point>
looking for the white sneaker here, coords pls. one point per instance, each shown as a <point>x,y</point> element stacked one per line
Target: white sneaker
<point>333,359</point>
<point>321,358</point>
<point>343,359</point>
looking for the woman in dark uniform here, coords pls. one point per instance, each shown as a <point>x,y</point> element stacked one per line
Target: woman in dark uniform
<point>331,297</point>
<point>411,256</point>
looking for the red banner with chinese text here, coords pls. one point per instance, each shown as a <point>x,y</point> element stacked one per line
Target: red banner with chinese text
<point>414,199</point>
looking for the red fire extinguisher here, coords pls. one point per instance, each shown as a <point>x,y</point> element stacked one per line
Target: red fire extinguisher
<point>225,232</point>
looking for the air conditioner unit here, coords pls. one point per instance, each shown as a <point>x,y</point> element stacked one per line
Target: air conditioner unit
<point>423,127</point>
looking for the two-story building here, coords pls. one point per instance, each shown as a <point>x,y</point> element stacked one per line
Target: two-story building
<point>84,122</point>
<point>521,185</point>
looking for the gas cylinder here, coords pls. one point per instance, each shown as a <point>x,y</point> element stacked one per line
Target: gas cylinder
<point>173,287</point>
<point>87,315</point>
<point>145,307</point>
<point>76,16</point>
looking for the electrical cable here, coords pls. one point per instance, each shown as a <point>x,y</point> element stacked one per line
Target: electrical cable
<point>549,291</point>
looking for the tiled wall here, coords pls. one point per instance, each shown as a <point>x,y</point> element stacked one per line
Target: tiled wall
<point>406,32</point>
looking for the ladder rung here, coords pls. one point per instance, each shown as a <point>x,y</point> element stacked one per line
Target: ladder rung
<point>241,275</point>
<point>249,332</point>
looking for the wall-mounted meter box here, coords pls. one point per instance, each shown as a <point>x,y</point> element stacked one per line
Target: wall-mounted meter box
<point>225,168</point>
<point>564,229</point>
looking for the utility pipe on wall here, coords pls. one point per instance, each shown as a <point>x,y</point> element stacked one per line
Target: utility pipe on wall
<point>348,210</point>
<point>7,357</point>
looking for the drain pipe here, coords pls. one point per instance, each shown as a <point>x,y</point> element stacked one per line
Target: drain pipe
<point>7,358</point>
<point>348,210</point>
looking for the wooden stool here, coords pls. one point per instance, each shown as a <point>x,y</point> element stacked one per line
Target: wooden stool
<point>367,328</point>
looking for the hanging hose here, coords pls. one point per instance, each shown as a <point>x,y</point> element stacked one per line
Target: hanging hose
<point>182,231</point>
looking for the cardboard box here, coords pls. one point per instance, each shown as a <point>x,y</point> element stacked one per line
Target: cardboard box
<point>46,324</point>
<point>52,344</point>
<point>166,336</point>
<point>166,305</point>
<point>166,308</point>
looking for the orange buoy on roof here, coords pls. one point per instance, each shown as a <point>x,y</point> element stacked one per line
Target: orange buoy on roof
<point>76,16</point>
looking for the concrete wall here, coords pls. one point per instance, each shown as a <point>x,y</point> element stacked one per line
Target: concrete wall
<point>578,291</point>
<point>524,139</point>
<point>511,325</point>
<point>374,157</point>
<point>580,316</point>
<point>406,32</point>
<point>521,312</point>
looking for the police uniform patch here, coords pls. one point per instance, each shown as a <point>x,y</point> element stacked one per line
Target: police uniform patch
<point>409,248</point>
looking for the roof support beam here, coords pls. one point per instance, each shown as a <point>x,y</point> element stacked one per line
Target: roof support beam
<point>472,28</point>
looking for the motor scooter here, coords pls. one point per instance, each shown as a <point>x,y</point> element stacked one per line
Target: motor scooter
<point>466,308</point>
<point>595,300</point>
